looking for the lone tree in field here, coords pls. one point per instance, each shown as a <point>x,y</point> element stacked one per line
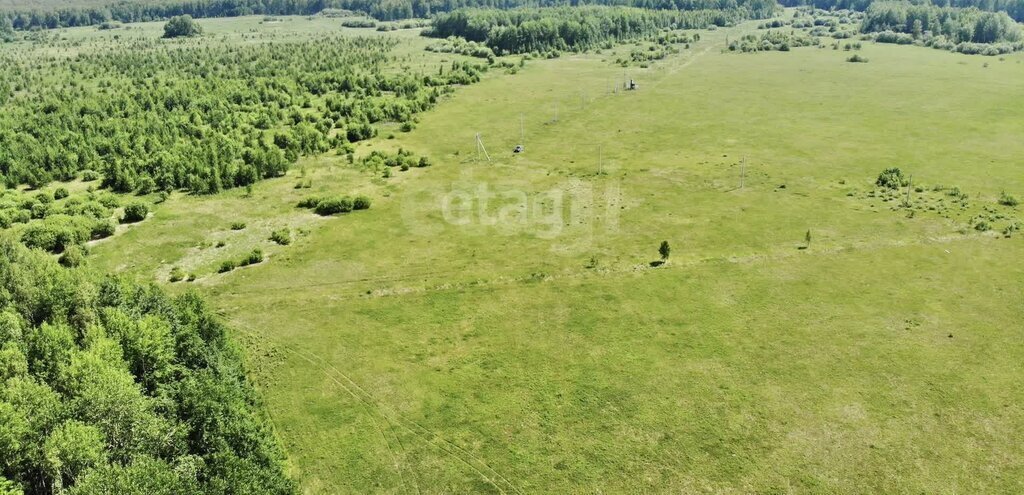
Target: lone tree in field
<point>181,25</point>
<point>664,250</point>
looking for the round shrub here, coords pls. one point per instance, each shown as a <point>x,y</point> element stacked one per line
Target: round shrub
<point>135,211</point>
<point>102,229</point>
<point>181,25</point>
<point>891,178</point>
<point>73,256</point>
<point>361,203</point>
<point>61,193</point>
<point>333,206</point>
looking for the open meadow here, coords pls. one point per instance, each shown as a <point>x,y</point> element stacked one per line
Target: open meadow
<point>503,322</point>
<point>498,326</point>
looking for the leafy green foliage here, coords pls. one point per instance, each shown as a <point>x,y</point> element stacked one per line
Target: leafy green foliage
<point>255,256</point>
<point>135,211</point>
<point>964,30</point>
<point>772,40</point>
<point>181,26</point>
<point>333,206</point>
<point>203,117</point>
<point>282,237</point>
<point>112,387</point>
<point>891,178</point>
<point>1015,8</point>
<point>73,256</point>
<point>177,274</point>
<point>576,28</point>
<point>64,15</point>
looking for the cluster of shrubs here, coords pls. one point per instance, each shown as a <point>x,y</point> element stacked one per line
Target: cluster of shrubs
<point>772,40</point>
<point>326,206</point>
<point>59,232</point>
<point>675,38</point>
<point>254,257</point>
<point>402,159</point>
<point>987,49</point>
<point>359,23</point>
<point>56,221</point>
<point>455,44</point>
<point>642,57</point>
<point>406,24</point>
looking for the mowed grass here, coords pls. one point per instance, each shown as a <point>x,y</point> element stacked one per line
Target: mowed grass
<point>434,344</point>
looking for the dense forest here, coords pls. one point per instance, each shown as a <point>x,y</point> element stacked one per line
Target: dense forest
<point>958,25</point>
<point>112,387</point>
<point>201,117</point>
<point>578,28</point>
<point>1015,8</point>
<point>380,9</point>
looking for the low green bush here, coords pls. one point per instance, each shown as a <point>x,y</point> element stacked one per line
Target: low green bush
<point>177,274</point>
<point>282,237</point>
<point>73,256</point>
<point>227,266</point>
<point>256,256</point>
<point>332,206</point>
<point>891,178</point>
<point>135,211</point>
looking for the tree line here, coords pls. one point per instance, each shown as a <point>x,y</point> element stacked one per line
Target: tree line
<point>107,386</point>
<point>1013,8</point>
<point>958,25</point>
<point>569,28</point>
<point>201,117</point>
<point>386,10</point>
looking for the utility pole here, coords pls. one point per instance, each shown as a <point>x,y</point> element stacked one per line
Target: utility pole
<point>480,148</point>
<point>600,159</point>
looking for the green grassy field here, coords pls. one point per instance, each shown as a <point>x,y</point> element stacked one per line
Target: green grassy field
<point>440,344</point>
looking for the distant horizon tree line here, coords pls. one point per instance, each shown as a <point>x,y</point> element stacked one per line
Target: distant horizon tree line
<point>389,10</point>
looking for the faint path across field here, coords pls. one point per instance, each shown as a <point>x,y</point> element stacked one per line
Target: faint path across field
<point>527,273</point>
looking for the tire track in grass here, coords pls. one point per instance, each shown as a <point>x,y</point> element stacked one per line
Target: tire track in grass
<point>394,458</point>
<point>368,402</point>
